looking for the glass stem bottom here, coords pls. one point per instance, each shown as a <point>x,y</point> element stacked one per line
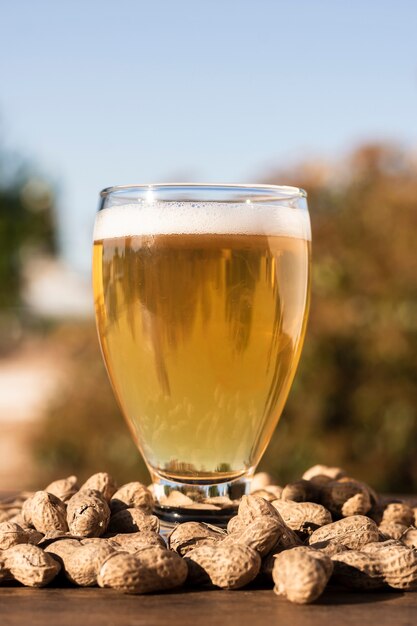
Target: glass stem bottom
<point>193,502</point>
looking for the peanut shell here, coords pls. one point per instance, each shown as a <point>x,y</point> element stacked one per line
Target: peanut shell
<point>251,507</point>
<point>132,521</point>
<point>340,498</point>
<point>63,488</point>
<point>353,532</point>
<point>88,514</point>
<point>102,482</point>
<point>31,566</point>
<point>190,535</point>
<point>133,542</point>
<point>61,550</point>
<point>261,480</point>
<point>225,566</point>
<point>399,513</point>
<point>398,565</point>
<point>324,470</point>
<point>48,513</point>
<point>151,569</point>
<point>132,495</point>
<point>11,534</point>
<point>392,530</point>
<point>303,517</point>
<point>301,574</point>
<point>261,534</point>
<point>358,570</point>
<point>300,491</point>
<point>83,564</point>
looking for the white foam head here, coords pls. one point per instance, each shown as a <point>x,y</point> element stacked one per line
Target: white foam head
<point>192,218</point>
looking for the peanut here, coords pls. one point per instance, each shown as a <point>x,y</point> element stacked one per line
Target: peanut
<point>399,513</point>
<point>11,534</point>
<point>324,470</point>
<point>48,513</point>
<point>30,565</point>
<point>274,490</point>
<point>88,513</point>
<point>303,517</point>
<point>132,495</point>
<point>204,506</point>
<point>234,524</point>
<point>270,493</point>
<point>392,530</point>
<point>261,534</point>
<point>359,504</point>
<point>353,532</point>
<point>176,499</point>
<point>251,507</point>
<point>345,498</point>
<point>300,491</point>
<point>62,546</point>
<point>398,564</point>
<point>83,564</point>
<point>330,547</point>
<point>373,496</point>
<point>261,480</point>
<point>133,542</point>
<point>64,488</point>
<point>301,574</point>
<point>132,521</point>
<point>20,521</point>
<point>225,566</point>
<point>357,570</point>
<point>102,482</point>
<point>151,569</point>
<point>374,547</point>
<point>62,549</point>
<point>190,535</point>
<point>26,512</point>
<point>320,480</point>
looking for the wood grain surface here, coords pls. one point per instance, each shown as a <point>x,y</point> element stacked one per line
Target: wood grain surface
<point>104,607</point>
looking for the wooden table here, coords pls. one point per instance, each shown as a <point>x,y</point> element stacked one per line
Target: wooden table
<point>105,607</point>
<point>74,606</point>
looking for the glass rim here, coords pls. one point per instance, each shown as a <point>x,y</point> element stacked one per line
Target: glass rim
<point>274,192</point>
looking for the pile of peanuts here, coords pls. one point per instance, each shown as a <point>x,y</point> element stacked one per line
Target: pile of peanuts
<point>326,529</point>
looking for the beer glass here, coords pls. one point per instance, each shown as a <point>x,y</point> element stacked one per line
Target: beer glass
<point>201,297</point>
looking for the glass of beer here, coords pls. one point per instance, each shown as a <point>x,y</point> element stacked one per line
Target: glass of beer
<point>201,297</point>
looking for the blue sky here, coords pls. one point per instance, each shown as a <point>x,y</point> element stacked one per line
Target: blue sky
<point>103,92</point>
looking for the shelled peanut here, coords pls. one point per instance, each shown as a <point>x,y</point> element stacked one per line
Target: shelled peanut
<point>324,529</point>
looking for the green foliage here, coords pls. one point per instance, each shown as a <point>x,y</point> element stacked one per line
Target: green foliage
<point>25,224</point>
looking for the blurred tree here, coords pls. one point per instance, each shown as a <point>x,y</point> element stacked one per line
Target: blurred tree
<point>26,223</point>
<point>354,401</point>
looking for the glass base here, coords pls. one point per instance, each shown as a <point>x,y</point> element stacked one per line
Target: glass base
<point>212,503</point>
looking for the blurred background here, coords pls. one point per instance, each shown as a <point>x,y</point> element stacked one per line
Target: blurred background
<point>322,95</point>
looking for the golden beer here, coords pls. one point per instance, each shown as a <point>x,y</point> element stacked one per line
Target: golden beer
<point>201,333</point>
